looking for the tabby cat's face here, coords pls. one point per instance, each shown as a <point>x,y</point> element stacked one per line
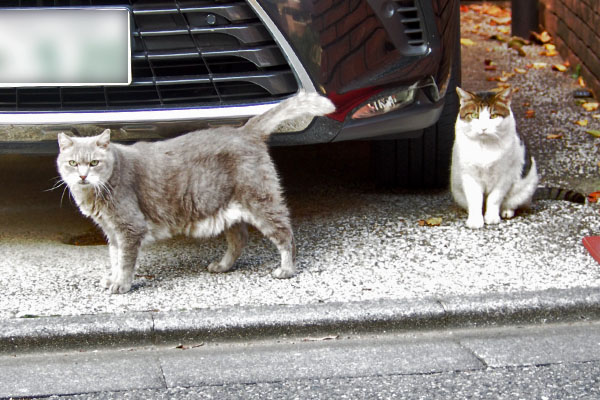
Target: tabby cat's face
<point>85,162</point>
<point>484,115</point>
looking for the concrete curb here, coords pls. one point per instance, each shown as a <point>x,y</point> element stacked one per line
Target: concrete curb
<point>243,323</point>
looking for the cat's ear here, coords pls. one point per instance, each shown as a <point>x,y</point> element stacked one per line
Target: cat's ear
<point>463,95</point>
<point>505,95</point>
<point>64,141</point>
<point>104,139</point>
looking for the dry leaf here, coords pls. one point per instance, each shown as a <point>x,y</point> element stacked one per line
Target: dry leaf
<point>549,53</point>
<point>580,81</point>
<point>542,38</point>
<point>504,29</point>
<point>433,221</point>
<point>539,65</point>
<point>500,21</point>
<point>520,70</point>
<point>554,136</point>
<point>593,132</point>
<point>466,42</point>
<point>559,67</point>
<point>582,122</point>
<point>530,113</point>
<point>593,197</point>
<point>517,45</point>
<point>596,116</point>
<point>591,106</point>
<point>464,8</point>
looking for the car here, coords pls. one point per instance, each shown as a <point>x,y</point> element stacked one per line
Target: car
<point>389,66</point>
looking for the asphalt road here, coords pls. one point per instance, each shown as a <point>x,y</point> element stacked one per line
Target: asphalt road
<point>526,362</point>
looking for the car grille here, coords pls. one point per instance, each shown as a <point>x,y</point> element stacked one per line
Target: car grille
<point>185,53</point>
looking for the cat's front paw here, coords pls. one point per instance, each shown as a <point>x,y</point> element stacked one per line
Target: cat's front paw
<point>508,214</point>
<point>492,219</point>
<point>120,287</point>
<point>218,267</point>
<point>475,222</point>
<point>284,273</point>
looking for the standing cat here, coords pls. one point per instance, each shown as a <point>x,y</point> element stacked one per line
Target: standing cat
<point>199,184</point>
<point>490,162</point>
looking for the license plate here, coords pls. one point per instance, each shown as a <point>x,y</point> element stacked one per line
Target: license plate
<point>65,47</point>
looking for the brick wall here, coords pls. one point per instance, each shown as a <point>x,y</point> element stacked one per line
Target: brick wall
<point>575,27</point>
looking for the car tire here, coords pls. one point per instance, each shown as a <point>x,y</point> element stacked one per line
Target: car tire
<point>423,162</point>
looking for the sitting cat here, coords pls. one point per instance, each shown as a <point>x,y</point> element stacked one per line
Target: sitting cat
<point>490,162</point>
<point>199,184</point>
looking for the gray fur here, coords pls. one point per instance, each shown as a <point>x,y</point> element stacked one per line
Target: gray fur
<point>199,184</point>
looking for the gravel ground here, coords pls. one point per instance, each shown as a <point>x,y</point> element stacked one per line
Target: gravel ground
<point>355,242</point>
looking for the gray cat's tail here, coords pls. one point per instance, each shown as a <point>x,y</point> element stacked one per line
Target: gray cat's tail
<point>551,193</point>
<point>303,104</point>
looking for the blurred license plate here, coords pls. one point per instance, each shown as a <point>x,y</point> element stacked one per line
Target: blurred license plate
<point>65,47</point>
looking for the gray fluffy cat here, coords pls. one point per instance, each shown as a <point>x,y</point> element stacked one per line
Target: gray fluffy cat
<point>199,184</point>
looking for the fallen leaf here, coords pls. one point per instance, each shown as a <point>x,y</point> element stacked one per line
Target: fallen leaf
<point>591,106</point>
<point>466,42</point>
<point>554,136</point>
<point>559,67</point>
<point>596,116</point>
<point>504,29</point>
<point>549,53</point>
<point>520,70</point>
<point>499,38</point>
<point>500,21</point>
<point>489,65</point>
<point>530,113</point>
<point>539,65</point>
<point>542,38</point>
<point>593,132</point>
<point>517,45</point>
<point>582,122</point>
<point>464,8</point>
<point>181,347</point>
<point>433,221</point>
<point>580,81</point>
<point>593,197</point>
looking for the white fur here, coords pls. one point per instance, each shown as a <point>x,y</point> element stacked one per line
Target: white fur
<point>487,160</point>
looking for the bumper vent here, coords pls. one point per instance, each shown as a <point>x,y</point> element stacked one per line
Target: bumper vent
<point>185,53</point>
<point>408,14</point>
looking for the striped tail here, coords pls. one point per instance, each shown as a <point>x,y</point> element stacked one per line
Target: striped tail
<point>551,193</point>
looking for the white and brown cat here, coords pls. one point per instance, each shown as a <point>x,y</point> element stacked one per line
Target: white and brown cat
<point>492,173</point>
<point>491,167</point>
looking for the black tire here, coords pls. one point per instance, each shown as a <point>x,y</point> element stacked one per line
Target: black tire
<point>423,162</point>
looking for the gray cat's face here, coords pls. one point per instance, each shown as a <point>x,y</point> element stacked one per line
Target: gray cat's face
<point>85,162</point>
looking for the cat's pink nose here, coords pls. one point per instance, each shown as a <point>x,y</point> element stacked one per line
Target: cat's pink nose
<point>83,177</point>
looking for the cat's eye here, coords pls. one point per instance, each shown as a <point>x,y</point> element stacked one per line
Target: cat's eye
<point>473,115</point>
<point>94,163</point>
<point>73,163</point>
<point>494,116</point>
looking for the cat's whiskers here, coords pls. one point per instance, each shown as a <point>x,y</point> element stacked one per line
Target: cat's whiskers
<point>103,191</point>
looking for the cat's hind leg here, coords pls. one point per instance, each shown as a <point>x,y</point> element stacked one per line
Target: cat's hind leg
<point>237,237</point>
<point>276,226</point>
